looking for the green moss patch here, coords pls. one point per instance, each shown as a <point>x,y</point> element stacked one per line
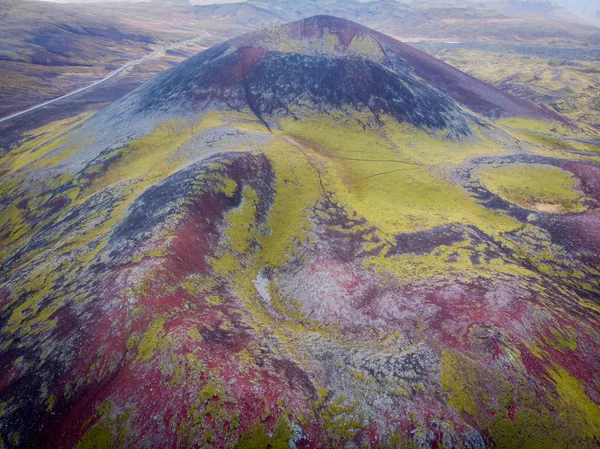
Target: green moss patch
<point>511,410</point>
<point>259,437</point>
<point>543,188</point>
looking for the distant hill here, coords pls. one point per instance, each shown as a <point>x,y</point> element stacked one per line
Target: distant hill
<point>538,9</point>
<point>500,21</point>
<point>558,9</point>
<point>586,8</point>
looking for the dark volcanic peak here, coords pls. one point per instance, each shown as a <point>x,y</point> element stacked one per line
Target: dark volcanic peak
<point>322,34</point>
<point>275,83</point>
<point>318,64</point>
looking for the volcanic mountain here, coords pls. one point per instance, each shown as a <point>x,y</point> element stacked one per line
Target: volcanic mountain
<point>309,236</point>
<point>321,62</point>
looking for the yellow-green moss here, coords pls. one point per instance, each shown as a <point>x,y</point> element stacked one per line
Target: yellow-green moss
<point>13,224</point>
<point>40,142</point>
<point>211,401</point>
<point>538,187</point>
<point>341,420</point>
<point>36,289</point>
<point>563,339</point>
<point>461,383</point>
<point>365,46</point>
<point>540,126</point>
<point>150,339</point>
<point>576,406</point>
<point>259,437</point>
<point>50,401</point>
<point>195,334</point>
<point>229,187</point>
<point>391,180</point>
<point>446,260</point>
<point>132,341</point>
<point>209,391</point>
<point>147,157</point>
<point>240,232</point>
<point>196,284</point>
<point>486,395</point>
<point>288,221</point>
<point>109,433</point>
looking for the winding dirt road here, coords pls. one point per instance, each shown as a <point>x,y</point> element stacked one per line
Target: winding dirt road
<point>103,80</point>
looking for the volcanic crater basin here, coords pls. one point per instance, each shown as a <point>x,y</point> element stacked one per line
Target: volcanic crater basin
<point>312,236</point>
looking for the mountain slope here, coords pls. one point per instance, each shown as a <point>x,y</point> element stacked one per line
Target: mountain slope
<point>308,236</point>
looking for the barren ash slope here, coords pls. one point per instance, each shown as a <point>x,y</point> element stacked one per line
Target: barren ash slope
<point>312,236</point>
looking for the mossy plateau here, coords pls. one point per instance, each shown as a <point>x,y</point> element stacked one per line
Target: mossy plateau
<point>538,187</point>
<point>391,175</point>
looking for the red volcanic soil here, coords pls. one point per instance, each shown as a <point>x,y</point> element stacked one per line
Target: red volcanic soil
<point>580,232</point>
<point>151,388</point>
<point>588,176</point>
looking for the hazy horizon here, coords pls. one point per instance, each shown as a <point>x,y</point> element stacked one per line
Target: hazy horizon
<point>589,9</point>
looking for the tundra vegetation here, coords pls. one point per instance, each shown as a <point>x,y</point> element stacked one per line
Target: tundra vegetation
<point>242,261</point>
